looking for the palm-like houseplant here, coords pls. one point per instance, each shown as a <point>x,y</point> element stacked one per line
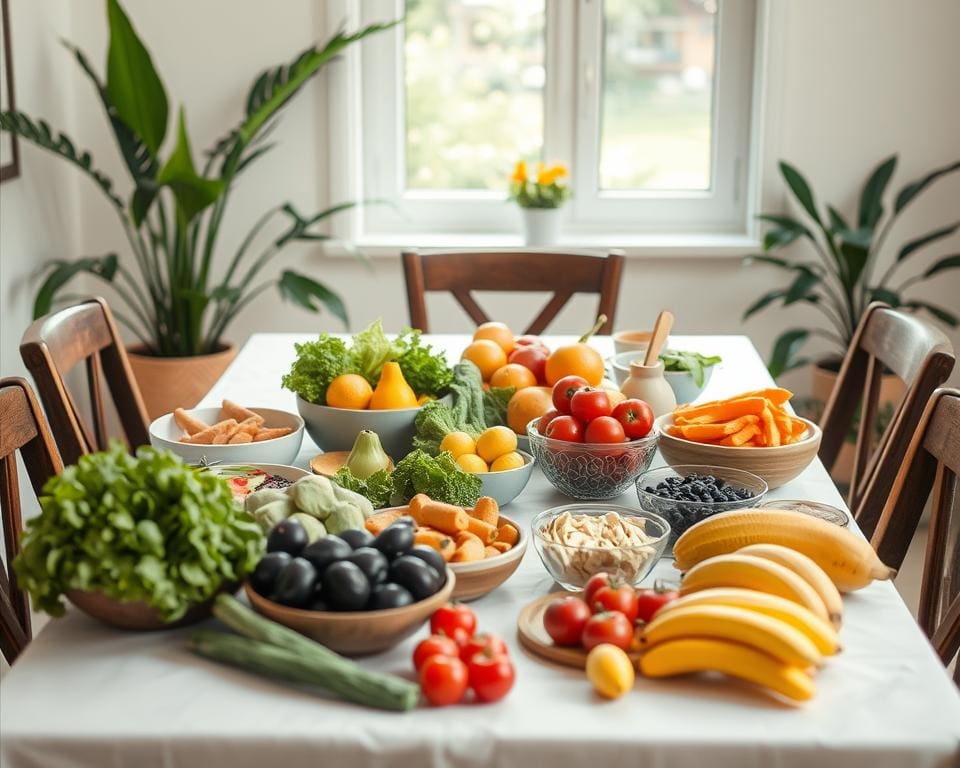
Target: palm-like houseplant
<point>173,215</point>
<point>842,278</point>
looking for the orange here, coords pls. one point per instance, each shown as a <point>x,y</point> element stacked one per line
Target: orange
<point>494,442</point>
<point>526,405</point>
<point>487,355</point>
<point>349,390</point>
<point>498,332</point>
<point>578,359</point>
<point>513,375</point>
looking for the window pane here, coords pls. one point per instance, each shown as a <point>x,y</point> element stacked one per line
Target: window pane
<point>474,91</point>
<point>657,94</point>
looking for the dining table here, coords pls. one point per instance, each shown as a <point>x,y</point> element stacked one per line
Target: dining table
<point>84,694</point>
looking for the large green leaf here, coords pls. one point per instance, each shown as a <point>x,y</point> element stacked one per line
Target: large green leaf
<point>914,188</point>
<point>764,301</point>
<point>310,294</point>
<point>886,295</point>
<point>786,222</point>
<point>62,272</point>
<point>931,237</point>
<point>871,199</point>
<point>785,348</point>
<point>947,262</point>
<point>943,315</point>
<point>837,222</point>
<point>855,257</point>
<point>192,192</point>
<point>801,286</point>
<point>133,84</point>
<point>800,188</point>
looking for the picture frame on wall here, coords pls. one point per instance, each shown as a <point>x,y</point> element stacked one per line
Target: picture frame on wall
<point>9,149</point>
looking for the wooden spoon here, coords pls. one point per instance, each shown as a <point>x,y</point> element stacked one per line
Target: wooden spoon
<point>661,330</point>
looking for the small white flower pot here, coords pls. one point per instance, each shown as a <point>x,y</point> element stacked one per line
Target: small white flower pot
<point>541,226</point>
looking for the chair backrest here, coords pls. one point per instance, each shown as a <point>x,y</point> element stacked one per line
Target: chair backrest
<point>22,428</point>
<point>919,355</point>
<point>932,463</point>
<point>461,272</point>
<point>52,346</point>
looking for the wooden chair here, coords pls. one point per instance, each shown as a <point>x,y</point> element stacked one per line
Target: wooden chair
<point>52,346</point>
<point>922,357</point>
<point>932,463</point>
<point>22,428</point>
<point>462,272</point>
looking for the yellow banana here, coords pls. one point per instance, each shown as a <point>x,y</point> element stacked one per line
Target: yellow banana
<point>680,657</point>
<point>752,572</point>
<point>738,625</point>
<point>820,632</point>
<point>847,558</point>
<point>807,569</point>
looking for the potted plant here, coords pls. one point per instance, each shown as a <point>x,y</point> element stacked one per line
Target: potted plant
<point>852,265</point>
<point>170,300</point>
<point>539,197</point>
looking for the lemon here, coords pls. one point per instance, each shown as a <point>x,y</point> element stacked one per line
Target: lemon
<point>470,462</point>
<point>458,443</point>
<point>495,442</point>
<point>610,670</point>
<point>512,460</point>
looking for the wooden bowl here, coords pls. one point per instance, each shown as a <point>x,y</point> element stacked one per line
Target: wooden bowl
<point>136,615</point>
<point>482,576</point>
<point>776,465</point>
<point>355,633</point>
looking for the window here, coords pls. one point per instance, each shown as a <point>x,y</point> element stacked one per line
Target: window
<point>647,101</point>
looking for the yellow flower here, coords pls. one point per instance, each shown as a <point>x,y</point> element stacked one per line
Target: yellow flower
<point>548,176</point>
<point>519,172</point>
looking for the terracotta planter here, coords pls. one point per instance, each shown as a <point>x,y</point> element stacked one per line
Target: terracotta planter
<point>176,382</point>
<point>824,379</point>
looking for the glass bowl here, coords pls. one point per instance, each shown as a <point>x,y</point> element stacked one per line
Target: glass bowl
<point>571,566</point>
<point>682,514</point>
<point>591,470</point>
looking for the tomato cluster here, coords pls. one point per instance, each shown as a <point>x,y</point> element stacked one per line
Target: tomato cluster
<point>606,613</point>
<point>585,414</point>
<point>455,658</point>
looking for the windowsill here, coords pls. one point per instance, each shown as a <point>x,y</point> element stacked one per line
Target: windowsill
<point>701,246</point>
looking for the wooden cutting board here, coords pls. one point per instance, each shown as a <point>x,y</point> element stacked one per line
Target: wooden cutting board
<point>535,639</point>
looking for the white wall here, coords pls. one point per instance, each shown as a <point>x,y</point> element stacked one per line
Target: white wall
<point>857,81</point>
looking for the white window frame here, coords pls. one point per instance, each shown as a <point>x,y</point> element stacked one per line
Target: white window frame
<point>367,144</point>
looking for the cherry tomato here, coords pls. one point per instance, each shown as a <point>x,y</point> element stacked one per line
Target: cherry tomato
<point>481,644</point>
<point>491,675</point>
<point>533,357</point>
<point>565,619</point>
<point>563,390</point>
<point>590,403</point>
<point>607,627</point>
<point>635,416</point>
<point>593,584</point>
<point>546,419</point>
<point>649,601</point>
<point>565,428</point>
<point>444,680</point>
<point>435,645</point>
<point>604,429</point>
<point>450,617</point>
<point>620,597</point>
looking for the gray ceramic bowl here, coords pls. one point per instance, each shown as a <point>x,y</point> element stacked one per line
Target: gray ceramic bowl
<point>507,485</point>
<point>684,387</point>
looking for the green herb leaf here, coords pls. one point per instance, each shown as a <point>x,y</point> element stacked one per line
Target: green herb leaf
<point>317,364</point>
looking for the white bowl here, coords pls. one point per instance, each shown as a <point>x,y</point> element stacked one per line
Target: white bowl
<point>507,485</point>
<point>336,429</point>
<point>683,386</point>
<point>164,433</point>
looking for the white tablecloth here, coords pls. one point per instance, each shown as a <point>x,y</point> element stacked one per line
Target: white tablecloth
<point>86,695</point>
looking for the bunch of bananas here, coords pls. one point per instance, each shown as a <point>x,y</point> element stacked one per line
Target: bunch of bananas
<point>760,599</point>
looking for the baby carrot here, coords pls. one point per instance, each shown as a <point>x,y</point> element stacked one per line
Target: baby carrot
<point>469,548</point>
<point>439,541</point>
<point>491,552</point>
<point>501,546</point>
<point>508,534</point>
<point>377,522</point>
<point>484,531</point>
<point>486,510</point>
<point>436,514</point>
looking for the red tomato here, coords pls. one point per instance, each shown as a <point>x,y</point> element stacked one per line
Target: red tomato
<point>565,619</point>
<point>563,390</point>
<point>491,675</point>
<point>635,416</point>
<point>593,584</point>
<point>532,357</point>
<point>621,598</point>
<point>607,627</point>
<point>546,419</point>
<point>649,601</point>
<point>450,617</point>
<point>604,429</point>
<point>483,643</point>
<point>590,403</point>
<point>443,680</point>
<point>435,645</point>
<point>565,428</point>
